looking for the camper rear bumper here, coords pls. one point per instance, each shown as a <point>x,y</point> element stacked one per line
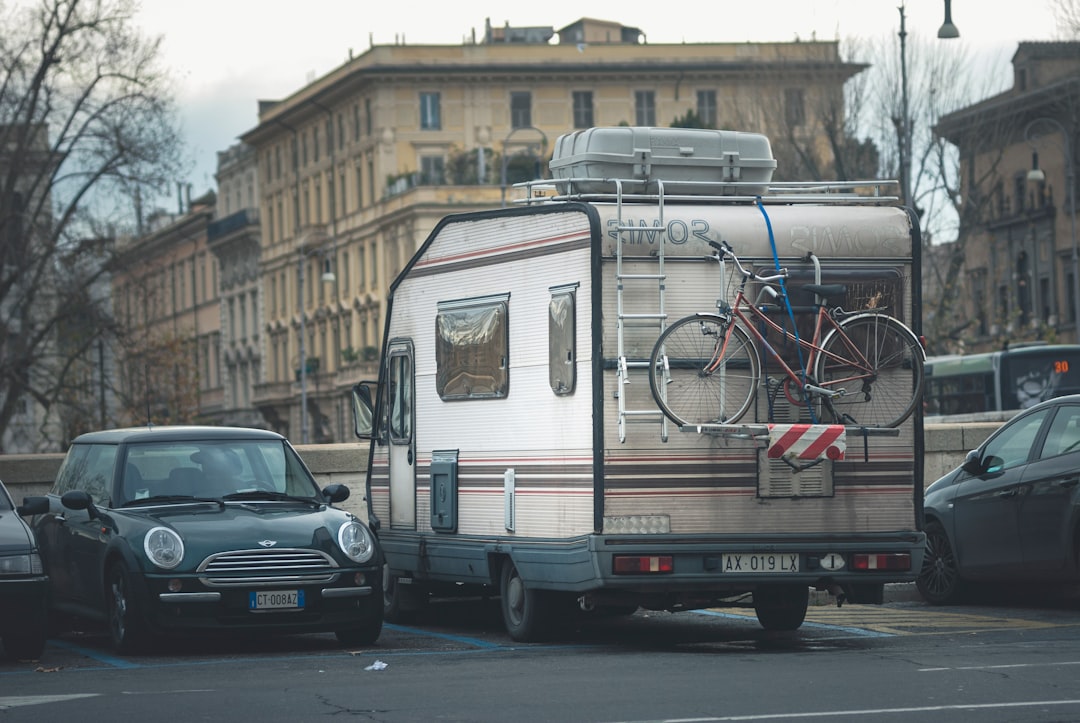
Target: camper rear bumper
<point>735,562</point>
<point>662,570</point>
<point>674,572</point>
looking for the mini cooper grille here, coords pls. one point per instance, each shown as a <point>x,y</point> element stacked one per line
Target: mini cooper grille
<point>247,567</point>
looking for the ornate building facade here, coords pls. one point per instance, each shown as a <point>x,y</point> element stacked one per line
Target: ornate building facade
<point>357,168</point>
<point>1019,270</point>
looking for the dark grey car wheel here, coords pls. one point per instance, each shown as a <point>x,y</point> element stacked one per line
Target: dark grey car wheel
<point>939,580</point>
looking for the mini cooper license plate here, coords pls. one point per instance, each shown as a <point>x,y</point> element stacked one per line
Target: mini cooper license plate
<point>276,600</point>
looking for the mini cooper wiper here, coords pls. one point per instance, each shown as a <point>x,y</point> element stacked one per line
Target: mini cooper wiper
<point>169,499</point>
<point>268,495</point>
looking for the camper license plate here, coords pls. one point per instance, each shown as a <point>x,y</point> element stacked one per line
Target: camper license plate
<point>760,562</point>
<point>276,600</point>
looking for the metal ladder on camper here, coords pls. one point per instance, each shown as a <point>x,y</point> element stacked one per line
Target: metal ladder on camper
<point>657,318</point>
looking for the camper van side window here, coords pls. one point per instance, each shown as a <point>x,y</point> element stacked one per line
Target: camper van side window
<point>472,349</point>
<point>562,342</point>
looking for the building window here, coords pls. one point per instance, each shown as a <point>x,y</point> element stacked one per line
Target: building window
<point>644,108</point>
<point>472,349</point>
<point>356,121</point>
<point>706,108</point>
<point>359,187</point>
<point>315,144</point>
<point>794,108</point>
<point>432,170</point>
<point>368,116</point>
<point>562,342</point>
<point>583,109</point>
<point>520,109</point>
<point>303,149</point>
<point>429,112</point>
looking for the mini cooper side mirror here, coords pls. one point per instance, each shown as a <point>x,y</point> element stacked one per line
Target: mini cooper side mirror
<point>336,493</point>
<point>79,500</point>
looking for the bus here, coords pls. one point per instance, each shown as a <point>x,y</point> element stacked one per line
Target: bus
<point>1013,378</point>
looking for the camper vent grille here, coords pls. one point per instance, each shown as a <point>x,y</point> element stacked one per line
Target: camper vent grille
<point>777,479</point>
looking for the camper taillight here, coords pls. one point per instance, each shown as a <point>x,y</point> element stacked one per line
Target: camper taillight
<point>642,564</point>
<point>893,561</point>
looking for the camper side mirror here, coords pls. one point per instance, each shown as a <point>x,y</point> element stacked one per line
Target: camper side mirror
<point>363,410</point>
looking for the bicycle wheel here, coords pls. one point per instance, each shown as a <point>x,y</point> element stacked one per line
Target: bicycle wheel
<point>884,391</point>
<point>689,385</point>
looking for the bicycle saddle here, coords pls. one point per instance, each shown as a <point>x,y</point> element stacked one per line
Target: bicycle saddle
<point>828,291</point>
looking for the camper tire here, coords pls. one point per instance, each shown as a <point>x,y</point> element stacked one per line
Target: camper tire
<point>401,603</point>
<point>527,612</point>
<point>781,606</point>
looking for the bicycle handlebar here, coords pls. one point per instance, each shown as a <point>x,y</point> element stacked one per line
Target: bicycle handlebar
<point>724,249</point>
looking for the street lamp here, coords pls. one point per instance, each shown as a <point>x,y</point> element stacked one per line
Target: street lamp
<point>948,30</point>
<point>327,278</point>
<point>1036,175</point>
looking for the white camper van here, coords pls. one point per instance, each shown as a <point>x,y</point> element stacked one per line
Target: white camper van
<point>658,381</point>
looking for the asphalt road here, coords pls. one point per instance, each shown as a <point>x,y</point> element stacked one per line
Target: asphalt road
<point>1007,658</point>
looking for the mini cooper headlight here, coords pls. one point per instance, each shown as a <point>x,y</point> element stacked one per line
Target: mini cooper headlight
<point>355,541</point>
<point>164,547</point>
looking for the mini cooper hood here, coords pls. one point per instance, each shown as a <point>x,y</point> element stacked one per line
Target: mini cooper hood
<point>249,525</point>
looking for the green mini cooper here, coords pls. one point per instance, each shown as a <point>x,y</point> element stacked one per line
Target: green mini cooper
<point>180,529</point>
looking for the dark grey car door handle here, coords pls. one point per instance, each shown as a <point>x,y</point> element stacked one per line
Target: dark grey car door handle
<point>1068,482</point>
<point>1008,493</point>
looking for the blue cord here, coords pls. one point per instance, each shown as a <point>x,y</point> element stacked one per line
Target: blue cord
<point>787,304</point>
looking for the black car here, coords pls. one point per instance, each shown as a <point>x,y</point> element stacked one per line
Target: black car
<point>24,587</point>
<point>179,529</point>
<point>1011,512</point>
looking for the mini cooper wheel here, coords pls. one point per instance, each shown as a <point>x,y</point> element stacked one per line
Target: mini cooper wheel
<point>127,627</point>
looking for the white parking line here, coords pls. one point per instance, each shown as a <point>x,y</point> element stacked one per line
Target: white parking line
<point>869,712</point>
<point>19,700</point>
<point>999,667</point>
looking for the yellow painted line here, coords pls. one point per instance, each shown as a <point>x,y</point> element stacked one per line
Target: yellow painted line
<point>920,621</point>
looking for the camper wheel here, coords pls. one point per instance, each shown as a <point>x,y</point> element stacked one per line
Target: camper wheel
<point>401,603</point>
<point>781,606</point>
<point>528,613</point>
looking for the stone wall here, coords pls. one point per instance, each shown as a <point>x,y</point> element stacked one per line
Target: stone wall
<point>32,474</point>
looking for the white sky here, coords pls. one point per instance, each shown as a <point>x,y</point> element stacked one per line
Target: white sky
<point>228,54</point>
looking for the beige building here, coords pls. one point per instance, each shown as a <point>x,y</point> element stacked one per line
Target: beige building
<point>166,294</point>
<point>234,237</point>
<point>356,168</point>
<point>1018,247</point>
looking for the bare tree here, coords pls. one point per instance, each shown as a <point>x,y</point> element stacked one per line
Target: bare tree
<point>1067,16</point>
<point>86,124</point>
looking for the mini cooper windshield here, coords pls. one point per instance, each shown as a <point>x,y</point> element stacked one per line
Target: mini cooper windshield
<point>247,470</point>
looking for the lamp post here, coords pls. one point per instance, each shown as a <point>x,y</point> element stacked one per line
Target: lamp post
<point>947,31</point>
<point>327,278</point>
<point>1036,175</point>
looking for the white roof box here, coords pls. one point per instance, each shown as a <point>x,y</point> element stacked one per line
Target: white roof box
<point>693,161</point>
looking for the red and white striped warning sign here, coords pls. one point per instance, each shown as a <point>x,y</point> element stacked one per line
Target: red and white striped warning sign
<point>807,441</point>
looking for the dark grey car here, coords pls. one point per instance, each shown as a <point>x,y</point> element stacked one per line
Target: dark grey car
<point>1010,512</point>
<point>24,587</point>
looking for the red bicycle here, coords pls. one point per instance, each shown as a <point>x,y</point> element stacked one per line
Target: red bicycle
<point>862,368</point>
